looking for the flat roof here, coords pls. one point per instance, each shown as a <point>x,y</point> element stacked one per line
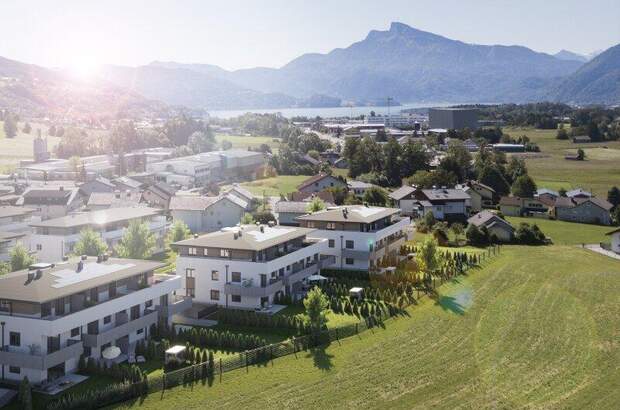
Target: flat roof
<point>63,280</point>
<point>101,217</point>
<point>251,237</point>
<point>9,211</point>
<point>351,213</point>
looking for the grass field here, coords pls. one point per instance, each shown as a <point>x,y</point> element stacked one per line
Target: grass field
<point>244,142</point>
<point>566,233</point>
<point>599,172</point>
<point>12,150</point>
<point>282,184</point>
<point>536,327</point>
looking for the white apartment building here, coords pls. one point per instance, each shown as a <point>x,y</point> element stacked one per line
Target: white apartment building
<point>50,315</point>
<point>55,238</point>
<point>359,236</point>
<point>246,267</point>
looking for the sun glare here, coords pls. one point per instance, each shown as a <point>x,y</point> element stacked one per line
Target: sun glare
<point>84,68</point>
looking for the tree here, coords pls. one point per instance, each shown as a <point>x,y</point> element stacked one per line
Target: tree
<point>562,134</point>
<point>90,243</point>
<point>516,168</point>
<point>581,155</point>
<point>25,394</point>
<point>375,196</point>
<point>491,175</point>
<point>137,242</point>
<point>317,307</point>
<point>315,205</point>
<point>613,196</point>
<point>202,141</point>
<point>20,258</point>
<point>74,163</point>
<point>414,158</point>
<point>458,230</point>
<point>10,126</point>
<point>457,160</point>
<point>178,232</point>
<point>562,192</point>
<point>247,219</point>
<point>524,187</point>
<point>427,256</point>
<point>4,268</point>
<point>476,236</point>
<point>27,128</point>
<point>392,152</point>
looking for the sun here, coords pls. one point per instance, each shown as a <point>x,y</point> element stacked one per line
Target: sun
<point>84,68</point>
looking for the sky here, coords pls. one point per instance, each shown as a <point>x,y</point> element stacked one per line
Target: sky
<point>241,34</point>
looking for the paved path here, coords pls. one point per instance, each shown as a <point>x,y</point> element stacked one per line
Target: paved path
<point>597,248</point>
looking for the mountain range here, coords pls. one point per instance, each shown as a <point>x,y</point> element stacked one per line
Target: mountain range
<point>402,62</point>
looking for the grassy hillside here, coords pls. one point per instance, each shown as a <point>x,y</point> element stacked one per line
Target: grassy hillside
<point>282,184</point>
<point>243,142</point>
<point>566,233</point>
<point>536,327</point>
<point>598,173</point>
<point>12,150</point>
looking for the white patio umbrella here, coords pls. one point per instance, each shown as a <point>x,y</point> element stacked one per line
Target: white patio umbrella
<point>316,278</point>
<point>111,353</point>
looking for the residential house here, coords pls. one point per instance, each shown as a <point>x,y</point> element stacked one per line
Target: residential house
<point>547,196</point>
<point>445,203</point>
<point>100,184</point>
<point>496,226</point>
<point>404,198</point>
<point>578,193</point>
<point>249,266</point>
<point>8,240</point>
<point>286,212</point>
<point>517,206</point>
<point>482,196</point>
<point>321,182</point>
<point>341,163</point>
<point>584,210</point>
<point>14,228</point>
<point>208,214</point>
<point>243,194</point>
<point>117,199</point>
<point>51,201</point>
<point>325,196</point>
<point>359,188</point>
<point>55,239</point>
<point>54,314</point>
<point>127,184</point>
<point>158,195</point>
<point>615,240</point>
<point>359,237</point>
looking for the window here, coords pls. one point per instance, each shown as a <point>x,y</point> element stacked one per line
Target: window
<point>225,253</point>
<point>107,319</point>
<point>349,261</point>
<point>15,339</point>
<point>39,247</point>
<point>349,244</point>
<point>189,272</point>
<point>236,277</point>
<point>215,294</point>
<point>215,275</point>
<point>148,303</point>
<point>311,224</point>
<point>332,243</point>
<point>191,251</point>
<point>140,331</point>
<point>205,251</point>
<point>331,226</point>
<point>235,298</point>
<point>75,332</point>
<point>14,369</point>
<point>134,313</point>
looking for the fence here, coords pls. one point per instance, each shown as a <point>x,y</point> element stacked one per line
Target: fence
<point>207,373</point>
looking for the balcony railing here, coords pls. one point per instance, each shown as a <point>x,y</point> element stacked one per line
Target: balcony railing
<point>95,340</point>
<point>253,291</point>
<point>40,361</point>
<point>177,305</point>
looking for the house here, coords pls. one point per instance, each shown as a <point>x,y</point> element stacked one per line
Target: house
<point>249,266</point>
<point>581,139</point>
<point>287,212</point>
<point>208,213</point>
<point>117,199</point>
<point>325,196</point>
<point>359,237</point>
<point>55,239</point>
<point>496,226</point>
<point>404,199</point>
<point>8,240</point>
<point>309,160</point>
<point>330,156</point>
<point>359,188</point>
<point>583,210</point>
<point>547,196</point>
<point>127,184</point>
<point>615,240</point>
<point>341,163</point>
<point>243,194</point>
<point>16,218</point>
<point>578,193</point>
<point>158,195</point>
<point>54,314</point>
<point>100,184</point>
<point>51,201</point>
<point>321,182</point>
<point>517,206</point>
<point>482,196</point>
<point>445,203</point>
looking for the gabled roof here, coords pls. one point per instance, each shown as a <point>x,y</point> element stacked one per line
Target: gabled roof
<point>200,203</point>
<point>244,193</point>
<point>488,219</point>
<point>565,202</point>
<point>445,194</point>
<point>56,195</point>
<point>578,192</point>
<point>313,180</point>
<point>402,192</point>
<point>162,189</point>
<point>510,201</point>
<point>359,185</point>
<point>542,191</point>
<point>480,184</point>
<point>326,196</point>
<point>116,199</point>
<point>127,181</point>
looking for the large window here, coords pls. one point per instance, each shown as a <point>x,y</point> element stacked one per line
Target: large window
<point>215,294</point>
<point>15,339</point>
<point>225,253</point>
<point>349,261</point>
<point>350,244</point>
<point>236,277</point>
<point>332,243</point>
<point>14,369</point>
<point>191,251</point>
<point>215,275</point>
<point>135,312</point>
<point>235,298</point>
<point>331,226</point>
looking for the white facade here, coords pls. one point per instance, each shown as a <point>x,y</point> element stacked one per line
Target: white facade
<point>220,214</point>
<point>615,241</point>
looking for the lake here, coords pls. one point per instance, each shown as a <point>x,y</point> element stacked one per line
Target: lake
<point>327,112</point>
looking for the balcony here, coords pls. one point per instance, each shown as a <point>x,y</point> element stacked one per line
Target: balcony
<point>253,291</point>
<point>327,261</point>
<point>40,361</point>
<point>120,330</point>
<point>355,254</point>
<point>177,305</point>
<point>301,274</point>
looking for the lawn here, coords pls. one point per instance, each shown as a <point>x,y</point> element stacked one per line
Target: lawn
<point>245,142</point>
<point>566,233</point>
<point>282,184</point>
<point>12,150</point>
<point>536,327</point>
<point>599,172</point>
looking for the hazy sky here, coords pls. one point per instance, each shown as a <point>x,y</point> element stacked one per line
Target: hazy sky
<point>238,34</point>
